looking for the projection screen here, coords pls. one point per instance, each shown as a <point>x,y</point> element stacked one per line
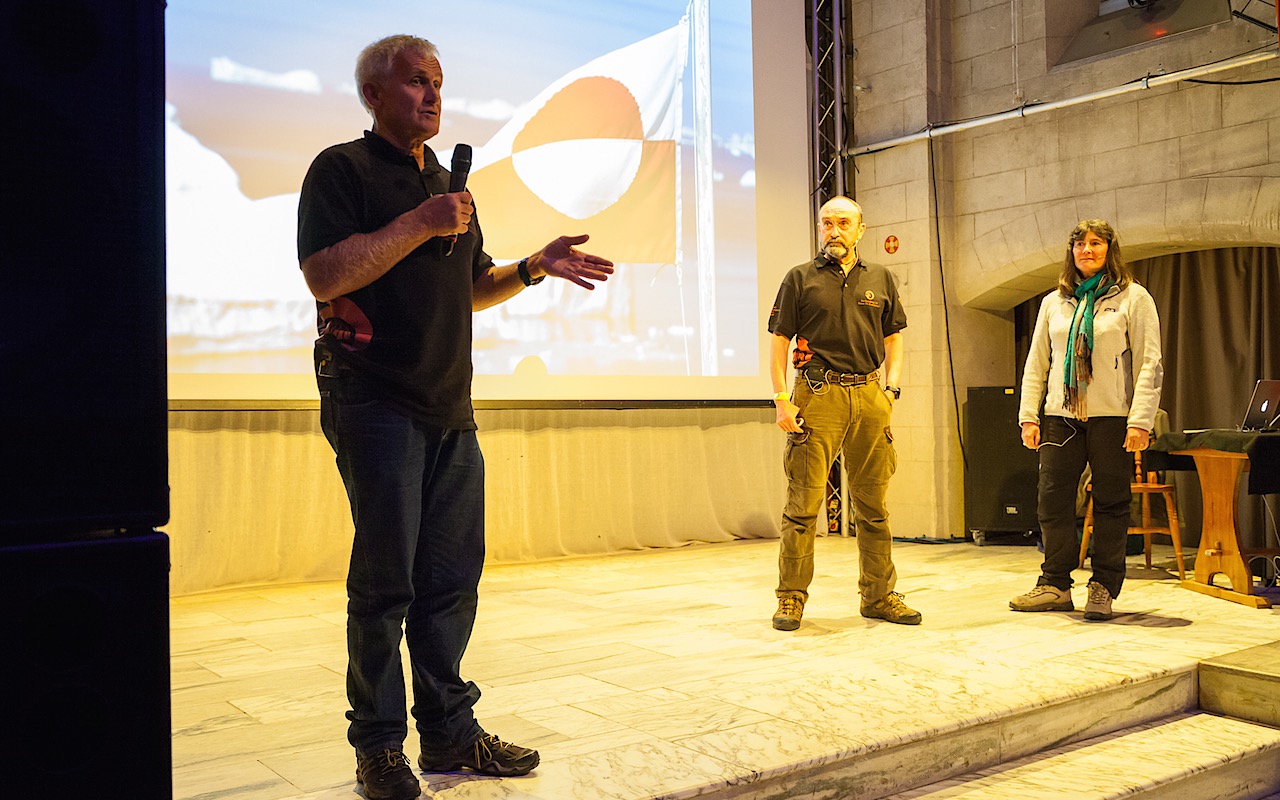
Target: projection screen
<point>647,124</point>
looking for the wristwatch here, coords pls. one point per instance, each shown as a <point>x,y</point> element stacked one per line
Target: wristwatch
<point>522,269</point>
<point>782,396</point>
<point>896,390</point>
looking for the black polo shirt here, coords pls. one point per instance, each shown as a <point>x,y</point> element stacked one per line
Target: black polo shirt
<point>407,335</point>
<point>839,322</point>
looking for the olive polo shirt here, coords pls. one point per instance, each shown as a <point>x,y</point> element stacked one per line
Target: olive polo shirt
<point>839,321</point>
<point>407,335</point>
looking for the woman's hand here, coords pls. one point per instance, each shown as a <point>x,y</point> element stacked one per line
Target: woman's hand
<point>1030,435</point>
<point>1136,440</point>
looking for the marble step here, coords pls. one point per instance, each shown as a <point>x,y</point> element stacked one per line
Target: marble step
<point>1244,684</point>
<point>914,749</point>
<point>1194,756</point>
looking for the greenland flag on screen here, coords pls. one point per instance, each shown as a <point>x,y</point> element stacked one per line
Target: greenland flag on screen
<point>594,152</point>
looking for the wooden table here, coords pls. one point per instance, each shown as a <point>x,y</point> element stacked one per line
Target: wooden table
<point>1220,551</point>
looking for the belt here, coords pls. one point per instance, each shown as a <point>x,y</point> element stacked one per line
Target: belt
<point>849,378</point>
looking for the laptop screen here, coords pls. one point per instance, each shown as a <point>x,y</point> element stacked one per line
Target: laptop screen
<point>1263,413</point>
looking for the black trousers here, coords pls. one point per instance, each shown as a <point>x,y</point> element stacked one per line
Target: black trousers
<point>1066,445</point>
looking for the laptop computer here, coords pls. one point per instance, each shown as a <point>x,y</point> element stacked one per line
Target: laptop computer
<point>1263,413</point>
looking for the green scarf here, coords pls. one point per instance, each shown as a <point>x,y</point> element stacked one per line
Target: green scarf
<point>1077,368</point>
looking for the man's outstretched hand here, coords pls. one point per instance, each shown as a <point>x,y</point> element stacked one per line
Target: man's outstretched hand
<point>562,259</point>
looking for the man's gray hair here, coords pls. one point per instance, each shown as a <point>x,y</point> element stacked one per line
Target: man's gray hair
<point>374,62</point>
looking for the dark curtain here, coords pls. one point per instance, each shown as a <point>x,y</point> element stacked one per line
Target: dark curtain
<point>1220,330</point>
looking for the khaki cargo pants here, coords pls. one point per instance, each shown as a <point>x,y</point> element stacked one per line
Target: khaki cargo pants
<point>853,420</point>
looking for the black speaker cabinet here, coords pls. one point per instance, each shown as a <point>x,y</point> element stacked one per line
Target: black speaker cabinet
<point>1000,475</point>
<point>85,670</point>
<point>82,247</point>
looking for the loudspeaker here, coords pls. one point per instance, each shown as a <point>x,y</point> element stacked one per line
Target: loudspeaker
<point>1000,474</point>
<point>86,668</point>
<point>82,244</point>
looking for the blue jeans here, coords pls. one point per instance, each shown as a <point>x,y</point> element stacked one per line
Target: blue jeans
<point>417,501</point>
<point>1065,446</point>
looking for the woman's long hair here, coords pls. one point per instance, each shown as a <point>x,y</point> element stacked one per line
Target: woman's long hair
<point>1117,271</point>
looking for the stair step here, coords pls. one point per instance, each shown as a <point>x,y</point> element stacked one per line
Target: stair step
<point>1244,684</point>
<point>1194,755</point>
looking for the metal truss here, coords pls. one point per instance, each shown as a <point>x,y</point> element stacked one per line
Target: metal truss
<point>827,46</point>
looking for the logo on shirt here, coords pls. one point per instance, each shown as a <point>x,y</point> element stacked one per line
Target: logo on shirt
<point>869,299</point>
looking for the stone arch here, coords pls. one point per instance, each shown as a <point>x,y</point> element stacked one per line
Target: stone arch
<point>1020,258</point>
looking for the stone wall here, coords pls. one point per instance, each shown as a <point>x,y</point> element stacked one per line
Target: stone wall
<point>1177,167</point>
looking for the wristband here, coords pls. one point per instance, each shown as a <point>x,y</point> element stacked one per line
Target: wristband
<point>782,396</point>
<point>522,269</point>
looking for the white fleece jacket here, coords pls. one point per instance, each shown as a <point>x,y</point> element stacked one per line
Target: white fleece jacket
<point>1126,332</point>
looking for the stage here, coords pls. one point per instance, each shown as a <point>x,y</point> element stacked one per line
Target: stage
<point>657,674</point>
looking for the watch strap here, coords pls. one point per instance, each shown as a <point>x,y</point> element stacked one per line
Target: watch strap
<point>522,269</point>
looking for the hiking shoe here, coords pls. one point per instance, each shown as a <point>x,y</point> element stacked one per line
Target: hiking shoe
<point>790,609</point>
<point>892,609</point>
<point>1043,598</point>
<point>387,775</point>
<point>487,755</point>
<point>1099,605</point>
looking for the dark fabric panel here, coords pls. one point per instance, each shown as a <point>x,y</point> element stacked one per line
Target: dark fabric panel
<point>1220,327</point>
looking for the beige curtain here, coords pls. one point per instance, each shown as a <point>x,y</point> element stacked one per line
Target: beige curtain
<point>256,498</point>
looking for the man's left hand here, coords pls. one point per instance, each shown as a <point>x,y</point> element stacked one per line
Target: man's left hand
<point>561,259</point>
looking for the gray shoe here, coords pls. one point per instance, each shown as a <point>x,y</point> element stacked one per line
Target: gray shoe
<point>1099,605</point>
<point>790,609</point>
<point>1043,598</point>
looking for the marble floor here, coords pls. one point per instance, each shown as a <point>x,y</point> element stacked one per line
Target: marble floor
<point>657,673</point>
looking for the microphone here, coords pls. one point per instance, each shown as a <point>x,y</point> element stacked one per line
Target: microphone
<point>459,168</point>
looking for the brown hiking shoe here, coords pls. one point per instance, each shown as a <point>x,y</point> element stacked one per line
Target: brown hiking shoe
<point>386,775</point>
<point>891,609</point>
<point>790,609</point>
<point>487,755</point>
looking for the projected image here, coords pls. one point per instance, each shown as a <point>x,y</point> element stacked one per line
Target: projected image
<point>629,120</point>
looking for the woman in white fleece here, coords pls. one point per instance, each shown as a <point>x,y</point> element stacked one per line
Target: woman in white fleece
<point>1095,362</point>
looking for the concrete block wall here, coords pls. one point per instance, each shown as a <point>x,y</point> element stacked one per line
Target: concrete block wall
<point>903,66</point>
<point>1174,168</point>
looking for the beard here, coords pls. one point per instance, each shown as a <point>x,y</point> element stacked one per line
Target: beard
<point>835,250</point>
